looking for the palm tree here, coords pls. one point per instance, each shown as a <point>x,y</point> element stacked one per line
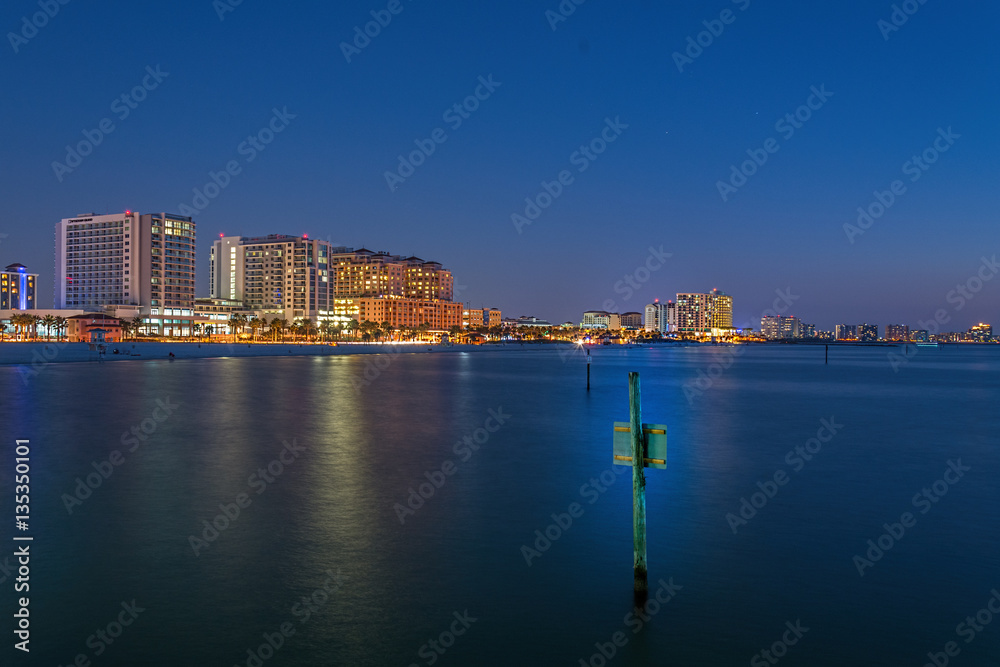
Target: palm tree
<point>3,330</point>
<point>256,324</point>
<point>49,321</point>
<point>336,330</point>
<point>136,327</point>
<point>196,329</point>
<point>352,326</point>
<point>209,330</point>
<point>324,329</point>
<point>306,326</point>
<point>61,324</point>
<point>234,325</point>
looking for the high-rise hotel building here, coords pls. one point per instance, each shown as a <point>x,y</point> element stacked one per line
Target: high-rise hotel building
<point>126,259</point>
<point>704,313</point>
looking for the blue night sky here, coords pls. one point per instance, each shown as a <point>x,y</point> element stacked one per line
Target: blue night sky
<point>655,185</point>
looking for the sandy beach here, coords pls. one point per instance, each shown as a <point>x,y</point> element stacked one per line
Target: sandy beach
<point>20,354</point>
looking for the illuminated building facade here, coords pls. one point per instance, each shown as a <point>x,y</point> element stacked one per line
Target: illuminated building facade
<point>897,332</point>
<point>17,288</point>
<point>704,313</point>
<point>481,317</point>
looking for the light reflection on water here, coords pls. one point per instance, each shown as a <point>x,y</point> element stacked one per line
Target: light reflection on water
<point>333,507</point>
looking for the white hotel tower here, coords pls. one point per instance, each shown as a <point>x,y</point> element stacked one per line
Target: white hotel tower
<point>142,261</point>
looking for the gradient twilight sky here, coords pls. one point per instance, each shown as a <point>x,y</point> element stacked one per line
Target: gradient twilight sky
<point>656,185</point>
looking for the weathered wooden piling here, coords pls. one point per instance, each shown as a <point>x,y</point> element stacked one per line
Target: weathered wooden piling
<point>638,486</point>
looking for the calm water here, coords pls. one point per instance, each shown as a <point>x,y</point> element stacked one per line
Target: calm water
<point>331,509</point>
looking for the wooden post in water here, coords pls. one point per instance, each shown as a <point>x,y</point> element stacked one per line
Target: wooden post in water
<point>827,354</point>
<point>588,370</point>
<point>638,487</point>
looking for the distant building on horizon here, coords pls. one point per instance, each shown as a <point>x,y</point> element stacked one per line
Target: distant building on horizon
<point>780,327</point>
<point>846,332</point>
<point>867,333</point>
<point>632,320</point>
<point>982,333</point>
<point>897,332</point>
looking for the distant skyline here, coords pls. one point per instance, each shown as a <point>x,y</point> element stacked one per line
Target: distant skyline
<point>543,155</point>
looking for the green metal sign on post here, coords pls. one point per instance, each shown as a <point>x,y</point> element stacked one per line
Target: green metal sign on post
<point>640,446</point>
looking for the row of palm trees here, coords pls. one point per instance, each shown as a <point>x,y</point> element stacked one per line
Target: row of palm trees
<point>275,330</point>
<point>24,326</point>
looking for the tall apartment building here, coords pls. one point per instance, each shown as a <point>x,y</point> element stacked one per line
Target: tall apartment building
<point>126,259</point>
<point>780,327</point>
<point>703,313</point>
<point>660,317</point>
<point>225,269</point>
<point>897,332</point>
<point>17,288</point>
<point>981,332</point>
<point>868,333</point>
<point>288,276</point>
<point>846,332</point>
<point>722,310</point>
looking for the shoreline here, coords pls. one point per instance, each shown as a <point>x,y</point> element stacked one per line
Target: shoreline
<point>14,354</point>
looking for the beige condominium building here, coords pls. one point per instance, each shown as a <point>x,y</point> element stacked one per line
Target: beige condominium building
<point>294,277</point>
